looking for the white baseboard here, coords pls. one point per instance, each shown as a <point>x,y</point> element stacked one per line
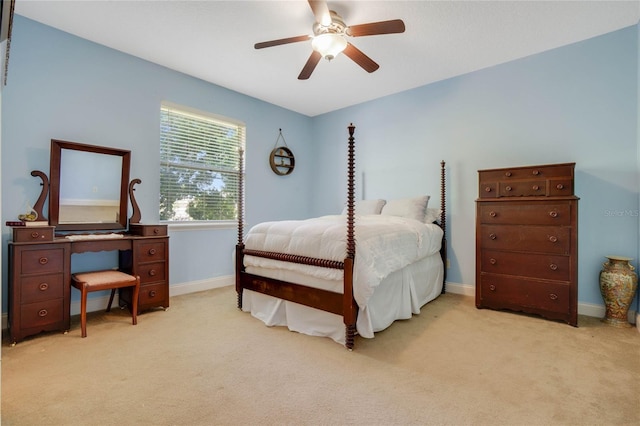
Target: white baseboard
<point>464,289</point>
<point>588,309</point>
<point>100,303</point>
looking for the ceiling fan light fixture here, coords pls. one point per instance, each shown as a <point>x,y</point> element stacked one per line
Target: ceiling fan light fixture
<point>329,45</point>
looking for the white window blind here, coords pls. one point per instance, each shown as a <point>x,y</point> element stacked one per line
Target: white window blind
<point>199,165</point>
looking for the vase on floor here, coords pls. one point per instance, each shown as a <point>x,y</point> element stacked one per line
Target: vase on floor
<point>618,284</point>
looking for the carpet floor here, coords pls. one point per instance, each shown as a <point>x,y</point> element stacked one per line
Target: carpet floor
<point>204,362</point>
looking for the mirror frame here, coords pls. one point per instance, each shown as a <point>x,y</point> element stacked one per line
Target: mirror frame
<point>54,186</point>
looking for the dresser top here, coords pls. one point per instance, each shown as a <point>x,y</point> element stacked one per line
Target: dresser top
<point>541,166</point>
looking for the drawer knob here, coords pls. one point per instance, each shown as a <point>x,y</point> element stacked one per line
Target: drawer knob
<point>42,313</point>
<point>35,235</point>
<point>508,174</point>
<point>553,239</point>
<point>493,261</point>
<point>535,187</point>
<point>560,186</point>
<point>536,172</point>
<point>493,236</point>
<point>152,251</point>
<point>492,287</point>
<point>553,296</point>
<point>152,293</point>
<point>508,188</point>
<point>553,267</point>
<point>43,286</point>
<point>152,272</point>
<point>487,189</point>
<point>493,214</point>
<point>553,213</point>
<point>43,260</point>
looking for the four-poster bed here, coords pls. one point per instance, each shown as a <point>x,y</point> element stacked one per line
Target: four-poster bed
<point>399,266</point>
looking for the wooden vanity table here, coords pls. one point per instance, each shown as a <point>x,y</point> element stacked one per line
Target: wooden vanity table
<point>89,191</point>
<point>40,274</point>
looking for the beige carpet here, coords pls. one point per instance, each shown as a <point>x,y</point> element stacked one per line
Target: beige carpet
<point>203,362</point>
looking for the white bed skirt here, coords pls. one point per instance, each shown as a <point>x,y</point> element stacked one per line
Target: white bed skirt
<point>399,296</point>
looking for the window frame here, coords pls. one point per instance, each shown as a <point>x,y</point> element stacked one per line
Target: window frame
<point>188,225</point>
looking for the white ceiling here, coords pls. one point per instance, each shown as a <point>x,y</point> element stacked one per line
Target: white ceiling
<point>213,40</point>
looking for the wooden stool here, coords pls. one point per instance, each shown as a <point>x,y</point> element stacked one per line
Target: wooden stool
<point>104,280</point>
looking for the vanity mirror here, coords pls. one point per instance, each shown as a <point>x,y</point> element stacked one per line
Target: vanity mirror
<point>88,186</point>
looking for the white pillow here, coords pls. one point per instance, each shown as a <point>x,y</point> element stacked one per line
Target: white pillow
<point>412,208</point>
<point>367,207</point>
<point>433,215</point>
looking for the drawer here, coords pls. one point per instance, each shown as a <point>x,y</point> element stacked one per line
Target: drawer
<point>33,234</point>
<point>528,172</point>
<point>41,287</point>
<point>148,230</point>
<point>488,190</point>
<point>541,239</point>
<point>155,294</point>
<point>502,292</point>
<point>41,313</point>
<point>42,261</point>
<point>523,188</point>
<point>560,187</point>
<point>151,272</point>
<point>530,265</point>
<point>151,251</point>
<point>532,214</point>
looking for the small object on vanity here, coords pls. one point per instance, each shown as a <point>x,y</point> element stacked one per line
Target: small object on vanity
<point>30,216</point>
<point>281,159</point>
<point>618,285</point>
<point>35,223</point>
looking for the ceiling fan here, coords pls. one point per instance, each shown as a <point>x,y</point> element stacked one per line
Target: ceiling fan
<point>329,38</point>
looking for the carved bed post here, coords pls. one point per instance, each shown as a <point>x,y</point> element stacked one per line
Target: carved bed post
<point>240,244</point>
<point>350,307</point>
<point>443,224</point>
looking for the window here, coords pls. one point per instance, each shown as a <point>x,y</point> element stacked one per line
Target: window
<point>199,165</point>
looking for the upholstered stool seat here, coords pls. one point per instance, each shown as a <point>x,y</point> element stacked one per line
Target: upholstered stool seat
<point>87,282</point>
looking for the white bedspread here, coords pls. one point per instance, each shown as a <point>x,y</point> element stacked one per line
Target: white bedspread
<point>384,244</point>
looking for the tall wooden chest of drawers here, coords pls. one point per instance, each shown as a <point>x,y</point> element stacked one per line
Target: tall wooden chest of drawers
<point>527,241</point>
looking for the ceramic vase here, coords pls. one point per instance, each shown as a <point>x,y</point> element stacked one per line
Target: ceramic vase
<point>618,284</point>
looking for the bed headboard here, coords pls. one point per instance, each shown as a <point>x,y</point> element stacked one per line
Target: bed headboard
<point>393,183</point>
<point>397,182</point>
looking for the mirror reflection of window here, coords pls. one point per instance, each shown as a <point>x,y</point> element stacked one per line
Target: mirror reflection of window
<point>89,187</point>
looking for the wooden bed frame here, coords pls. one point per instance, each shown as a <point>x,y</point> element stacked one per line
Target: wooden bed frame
<point>340,304</point>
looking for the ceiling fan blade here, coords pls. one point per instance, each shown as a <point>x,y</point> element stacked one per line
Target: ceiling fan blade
<point>374,28</point>
<point>310,65</point>
<point>360,58</point>
<point>321,12</point>
<point>280,41</point>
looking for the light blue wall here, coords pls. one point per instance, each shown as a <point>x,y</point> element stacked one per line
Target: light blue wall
<point>578,103</point>
<point>574,104</point>
<point>64,87</point>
